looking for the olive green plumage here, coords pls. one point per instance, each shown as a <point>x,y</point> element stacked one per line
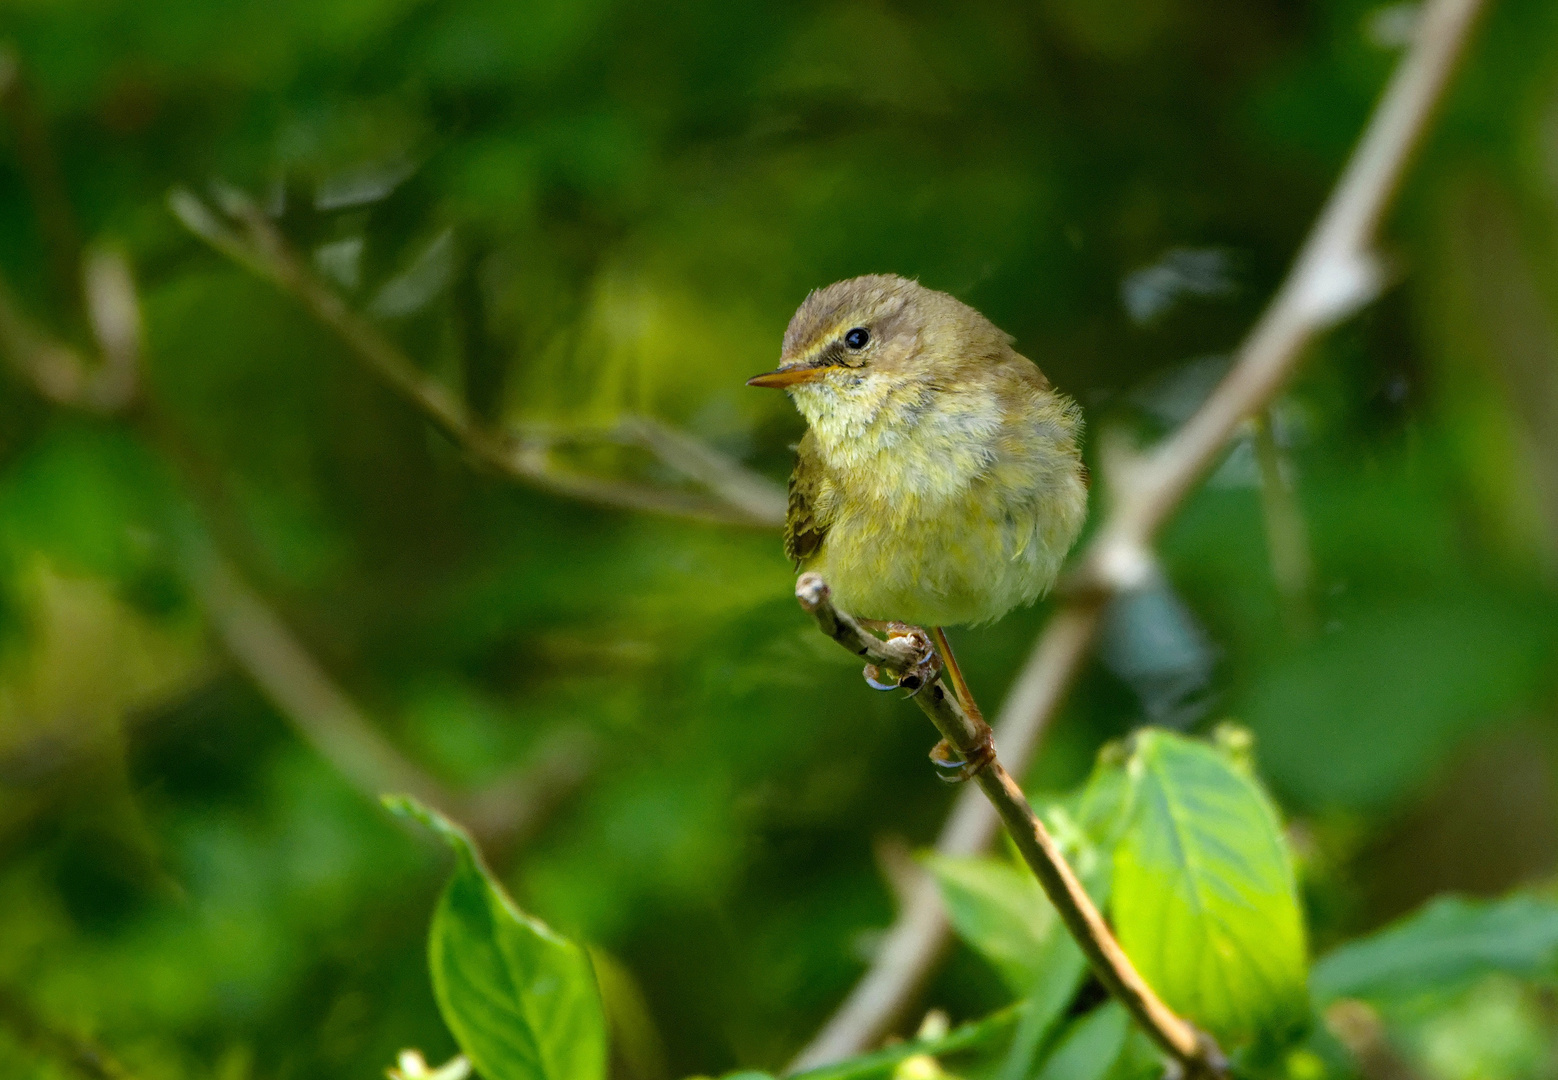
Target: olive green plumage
<point>940,480</point>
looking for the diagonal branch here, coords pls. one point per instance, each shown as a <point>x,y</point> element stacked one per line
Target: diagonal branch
<point>1334,274</point>
<point>504,813</point>
<point>1196,1053</point>
<point>85,1056</point>
<point>737,495</point>
<point>913,945</point>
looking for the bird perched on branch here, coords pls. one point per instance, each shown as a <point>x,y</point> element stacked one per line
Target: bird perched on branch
<point>940,481</point>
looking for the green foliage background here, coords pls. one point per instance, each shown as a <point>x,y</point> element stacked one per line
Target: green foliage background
<point>582,209</point>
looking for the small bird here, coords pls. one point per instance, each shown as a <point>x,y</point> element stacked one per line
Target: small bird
<point>940,479</point>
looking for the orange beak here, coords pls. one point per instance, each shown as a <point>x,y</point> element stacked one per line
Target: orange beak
<point>778,380</point>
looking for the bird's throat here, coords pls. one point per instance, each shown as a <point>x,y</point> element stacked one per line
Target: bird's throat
<point>897,438</point>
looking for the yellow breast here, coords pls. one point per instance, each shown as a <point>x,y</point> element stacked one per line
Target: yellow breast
<point>947,508</point>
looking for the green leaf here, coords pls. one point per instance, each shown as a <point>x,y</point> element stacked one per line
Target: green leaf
<point>1090,1047</point>
<point>1204,898</point>
<point>999,909</point>
<point>1102,807</point>
<point>520,999</point>
<point>970,1036</point>
<point>1445,945</point>
<point>1061,967</point>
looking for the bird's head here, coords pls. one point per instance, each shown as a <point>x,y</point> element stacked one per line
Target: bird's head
<point>859,344</point>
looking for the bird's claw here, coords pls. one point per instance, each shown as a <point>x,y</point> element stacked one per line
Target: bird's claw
<point>954,767</point>
<point>876,681</point>
<point>916,677</point>
<point>923,673</point>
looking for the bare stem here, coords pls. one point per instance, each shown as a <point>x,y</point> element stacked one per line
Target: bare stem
<point>968,735</point>
<point>737,495</point>
<point>919,935</point>
<point>1335,274</point>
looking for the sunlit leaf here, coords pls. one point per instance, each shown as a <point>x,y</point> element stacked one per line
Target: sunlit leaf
<point>1102,807</point>
<point>1204,898</point>
<point>521,1000</point>
<point>1444,945</point>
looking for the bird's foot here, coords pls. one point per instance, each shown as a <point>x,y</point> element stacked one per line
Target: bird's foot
<point>918,675</point>
<point>954,767</point>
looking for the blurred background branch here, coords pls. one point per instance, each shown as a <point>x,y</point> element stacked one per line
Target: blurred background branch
<point>1335,274</point>
<point>740,497</point>
<point>81,1055</point>
<point>502,814</point>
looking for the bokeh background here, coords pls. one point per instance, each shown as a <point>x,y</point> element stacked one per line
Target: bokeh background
<point>571,212</point>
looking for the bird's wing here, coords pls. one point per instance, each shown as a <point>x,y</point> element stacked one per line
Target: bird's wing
<point>806,522</point>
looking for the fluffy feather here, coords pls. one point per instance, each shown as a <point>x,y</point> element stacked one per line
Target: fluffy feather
<point>940,481</point>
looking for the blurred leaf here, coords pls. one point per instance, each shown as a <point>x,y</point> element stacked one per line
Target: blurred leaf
<point>1062,967</point>
<point>520,999</point>
<point>1090,1046</point>
<point>1103,806</point>
<point>1447,944</point>
<point>999,909</point>
<point>1368,710</point>
<point>970,1036</point>
<point>1498,1031</point>
<point>1204,898</point>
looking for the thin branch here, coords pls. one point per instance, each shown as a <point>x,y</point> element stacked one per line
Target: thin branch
<point>974,1034</point>
<point>739,486</point>
<point>1335,273</point>
<point>501,814</point>
<point>60,373</point>
<point>1358,1028</point>
<point>329,721</point>
<point>114,312</point>
<point>1193,1050</point>
<point>913,945</point>
<point>739,497</point>
<point>83,1055</point>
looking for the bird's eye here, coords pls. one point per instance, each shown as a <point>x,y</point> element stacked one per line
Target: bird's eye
<point>857,338</point>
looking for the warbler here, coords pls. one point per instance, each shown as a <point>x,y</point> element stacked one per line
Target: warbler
<point>940,480</point>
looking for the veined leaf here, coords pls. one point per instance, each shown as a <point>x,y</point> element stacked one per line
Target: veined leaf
<point>1444,945</point>
<point>1204,897</point>
<point>520,999</point>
